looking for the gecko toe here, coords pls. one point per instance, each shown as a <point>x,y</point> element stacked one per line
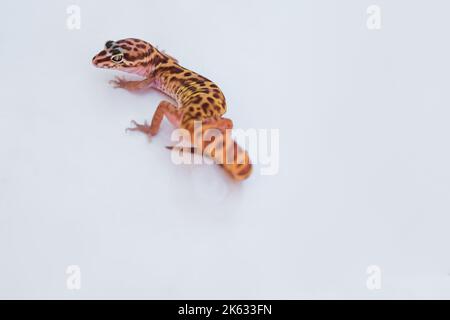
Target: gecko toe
<point>144,128</point>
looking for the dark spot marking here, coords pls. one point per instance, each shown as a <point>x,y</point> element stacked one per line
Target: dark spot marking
<point>104,60</point>
<point>244,171</point>
<point>176,70</point>
<point>109,44</point>
<point>205,107</point>
<point>196,100</point>
<point>158,59</point>
<point>115,51</point>
<point>170,69</point>
<point>125,41</point>
<point>208,142</point>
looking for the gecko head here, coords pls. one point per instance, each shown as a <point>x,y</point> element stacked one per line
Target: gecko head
<point>130,55</point>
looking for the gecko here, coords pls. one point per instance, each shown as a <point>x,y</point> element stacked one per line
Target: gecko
<point>197,100</point>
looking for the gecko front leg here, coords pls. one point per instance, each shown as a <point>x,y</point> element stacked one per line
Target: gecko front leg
<point>120,82</point>
<point>164,108</point>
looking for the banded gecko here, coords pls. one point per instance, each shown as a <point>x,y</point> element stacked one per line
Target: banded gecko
<point>197,100</point>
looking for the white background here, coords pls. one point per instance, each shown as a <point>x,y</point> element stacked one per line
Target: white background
<point>364,176</point>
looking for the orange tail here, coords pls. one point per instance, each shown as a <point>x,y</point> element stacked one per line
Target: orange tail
<point>233,159</point>
<point>225,152</point>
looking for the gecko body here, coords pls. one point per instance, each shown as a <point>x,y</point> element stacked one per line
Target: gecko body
<point>197,98</point>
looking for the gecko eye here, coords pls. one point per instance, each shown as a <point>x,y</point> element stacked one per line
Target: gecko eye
<point>118,58</point>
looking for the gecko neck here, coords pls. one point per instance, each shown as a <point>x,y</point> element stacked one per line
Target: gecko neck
<point>143,71</point>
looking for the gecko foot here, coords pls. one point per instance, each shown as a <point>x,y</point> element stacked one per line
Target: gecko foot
<point>120,82</point>
<point>144,128</point>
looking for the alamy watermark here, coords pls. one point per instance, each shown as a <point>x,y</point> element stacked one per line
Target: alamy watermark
<point>73,21</point>
<point>374,17</point>
<point>237,146</point>
<point>373,281</point>
<point>73,281</point>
